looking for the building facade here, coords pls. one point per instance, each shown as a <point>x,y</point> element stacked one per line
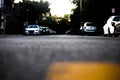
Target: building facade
<point>6,10</point>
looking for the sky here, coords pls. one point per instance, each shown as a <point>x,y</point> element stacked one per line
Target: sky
<point>58,7</point>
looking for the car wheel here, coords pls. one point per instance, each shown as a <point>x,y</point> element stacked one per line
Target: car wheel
<point>117,30</point>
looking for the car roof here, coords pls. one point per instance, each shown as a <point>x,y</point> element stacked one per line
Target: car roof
<point>88,22</point>
<point>32,25</point>
<point>115,16</point>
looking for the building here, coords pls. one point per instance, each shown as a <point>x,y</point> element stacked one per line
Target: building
<point>6,10</point>
<point>1,15</point>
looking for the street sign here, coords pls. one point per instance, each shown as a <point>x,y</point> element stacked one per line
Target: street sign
<point>113,10</point>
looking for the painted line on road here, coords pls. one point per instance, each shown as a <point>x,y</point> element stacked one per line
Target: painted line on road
<point>83,71</point>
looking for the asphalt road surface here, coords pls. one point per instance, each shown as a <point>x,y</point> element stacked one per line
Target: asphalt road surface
<point>29,57</point>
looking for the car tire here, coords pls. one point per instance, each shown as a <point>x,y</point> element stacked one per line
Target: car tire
<point>117,30</point>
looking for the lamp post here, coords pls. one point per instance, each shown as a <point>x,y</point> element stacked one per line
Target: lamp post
<point>81,6</point>
<point>12,7</point>
<point>81,9</point>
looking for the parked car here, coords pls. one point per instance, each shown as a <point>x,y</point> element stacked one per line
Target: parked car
<point>44,30</point>
<point>52,31</point>
<point>88,27</point>
<point>33,29</point>
<point>111,26</point>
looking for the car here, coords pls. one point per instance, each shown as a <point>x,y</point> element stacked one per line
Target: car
<point>45,30</point>
<point>52,31</point>
<point>88,28</point>
<point>33,29</point>
<point>110,28</point>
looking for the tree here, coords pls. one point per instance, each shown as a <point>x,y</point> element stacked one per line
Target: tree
<point>75,17</point>
<point>31,10</point>
<point>63,24</point>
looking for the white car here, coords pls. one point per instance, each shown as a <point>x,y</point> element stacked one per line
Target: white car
<point>33,29</point>
<point>88,27</point>
<point>109,27</point>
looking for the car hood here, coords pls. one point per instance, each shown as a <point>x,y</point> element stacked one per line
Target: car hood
<point>31,29</point>
<point>90,26</point>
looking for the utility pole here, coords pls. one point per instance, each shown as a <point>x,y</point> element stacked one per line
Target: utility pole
<point>81,10</point>
<point>81,6</point>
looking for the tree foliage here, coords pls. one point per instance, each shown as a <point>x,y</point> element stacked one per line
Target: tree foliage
<point>31,10</point>
<point>75,17</point>
<point>63,24</point>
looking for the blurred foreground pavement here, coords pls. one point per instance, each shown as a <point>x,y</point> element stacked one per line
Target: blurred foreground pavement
<point>59,57</point>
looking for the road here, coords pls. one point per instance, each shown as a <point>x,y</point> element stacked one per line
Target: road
<point>33,57</point>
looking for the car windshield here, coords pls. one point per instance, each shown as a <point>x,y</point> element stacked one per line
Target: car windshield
<point>44,28</point>
<point>116,18</point>
<point>90,24</point>
<point>32,26</point>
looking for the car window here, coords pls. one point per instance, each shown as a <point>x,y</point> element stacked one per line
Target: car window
<point>116,19</point>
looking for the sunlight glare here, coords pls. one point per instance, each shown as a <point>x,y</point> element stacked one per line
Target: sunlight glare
<point>58,7</point>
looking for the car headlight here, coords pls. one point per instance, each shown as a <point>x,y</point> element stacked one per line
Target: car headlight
<point>36,30</point>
